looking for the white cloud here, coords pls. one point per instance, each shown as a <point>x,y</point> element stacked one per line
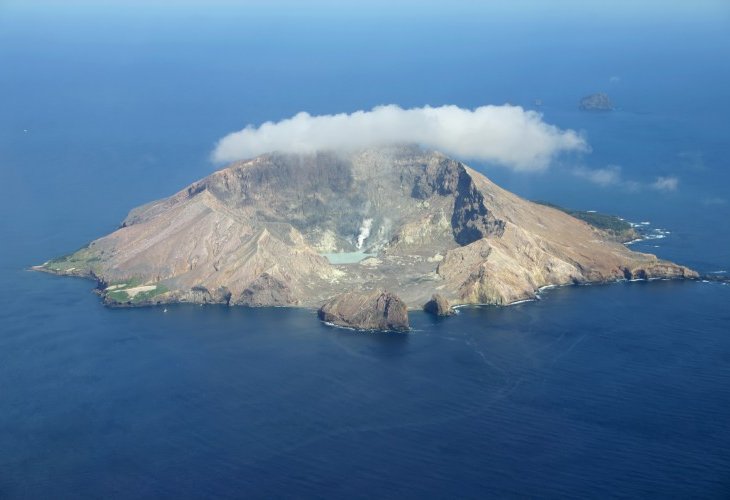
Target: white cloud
<point>609,176</point>
<point>692,160</point>
<point>505,135</point>
<point>668,183</point>
<point>612,176</point>
<point>714,201</point>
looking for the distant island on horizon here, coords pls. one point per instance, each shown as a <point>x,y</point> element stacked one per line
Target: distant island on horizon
<point>596,102</point>
<point>364,236</point>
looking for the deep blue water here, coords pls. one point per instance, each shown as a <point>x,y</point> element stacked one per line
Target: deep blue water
<point>617,390</point>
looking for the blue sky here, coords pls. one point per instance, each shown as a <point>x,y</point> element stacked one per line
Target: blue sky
<point>618,10</point>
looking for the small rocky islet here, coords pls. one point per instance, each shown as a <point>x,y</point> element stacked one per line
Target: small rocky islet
<point>375,310</point>
<point>596,102</point>
<point>429,233</point>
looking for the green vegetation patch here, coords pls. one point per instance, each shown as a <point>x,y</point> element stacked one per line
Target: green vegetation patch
<point>145,296</point>
<point>118,296</point>
<point>120,292</point>
<point>125,283</point>
<point>83,260</point>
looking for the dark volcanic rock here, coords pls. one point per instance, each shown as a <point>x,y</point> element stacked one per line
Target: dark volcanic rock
<point>471,220</point>
<point>267,291</point>
<point>201,295</point>
<point>376,310</point>
<point>439,306</point>
<point>596,102</point>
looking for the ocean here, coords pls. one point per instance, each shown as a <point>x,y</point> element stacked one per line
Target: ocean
<point>617,390</point>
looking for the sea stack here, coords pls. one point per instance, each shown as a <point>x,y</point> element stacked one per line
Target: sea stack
<point>438,306</point>
<point>376,310</point>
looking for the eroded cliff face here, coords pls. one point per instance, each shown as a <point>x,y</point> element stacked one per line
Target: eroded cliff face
<point>255,233</point>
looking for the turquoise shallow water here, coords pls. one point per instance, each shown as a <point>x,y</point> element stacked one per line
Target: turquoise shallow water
<point>347,257</point>
<point>616,390</point>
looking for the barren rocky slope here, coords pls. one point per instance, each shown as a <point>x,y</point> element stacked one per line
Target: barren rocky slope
<point>261,232</point>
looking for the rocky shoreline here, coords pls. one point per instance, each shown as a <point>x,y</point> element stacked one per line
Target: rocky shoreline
<point>368,311</point>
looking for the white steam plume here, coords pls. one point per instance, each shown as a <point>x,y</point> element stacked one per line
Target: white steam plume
<point>506,135</point>
<point>367,224</point>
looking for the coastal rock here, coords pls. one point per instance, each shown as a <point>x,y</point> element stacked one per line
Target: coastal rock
<point>659,270</point>
<point>266,290</point>
<point>376,310</point>
<point>438,306</point>
<point>201,295</point>
<point>596,102</point>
